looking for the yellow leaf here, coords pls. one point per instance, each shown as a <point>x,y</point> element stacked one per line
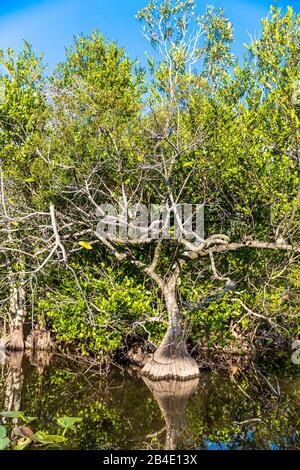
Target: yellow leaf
<point>85,245</point>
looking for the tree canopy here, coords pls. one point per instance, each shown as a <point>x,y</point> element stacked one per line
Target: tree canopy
<point>199,127</point>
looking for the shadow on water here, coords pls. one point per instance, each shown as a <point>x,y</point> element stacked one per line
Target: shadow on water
<point>257,410</point>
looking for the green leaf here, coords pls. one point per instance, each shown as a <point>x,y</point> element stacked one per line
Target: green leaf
<point>12,414</point>
<point>4,443</point>
<point>68,422</point>
<point>17,414</point>
<point>188,164</point>
<point>45,438</point>
<point>22,443</point>
<point>2,432</point>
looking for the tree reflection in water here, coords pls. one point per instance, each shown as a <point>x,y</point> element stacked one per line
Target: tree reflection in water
<point>123,411</point>
<point>172,397</point>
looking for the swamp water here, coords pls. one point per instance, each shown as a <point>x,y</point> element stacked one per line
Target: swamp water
<point>120,410</point>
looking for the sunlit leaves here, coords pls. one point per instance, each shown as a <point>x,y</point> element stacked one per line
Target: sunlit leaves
<point>67,422</point>
<point>4,440</point>
<point>85,245</point>
<point>17,414</point>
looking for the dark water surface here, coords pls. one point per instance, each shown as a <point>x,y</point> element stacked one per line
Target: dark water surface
<point>252,410</point>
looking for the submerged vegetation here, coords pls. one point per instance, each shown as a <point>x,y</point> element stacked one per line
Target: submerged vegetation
<point>198,127</point>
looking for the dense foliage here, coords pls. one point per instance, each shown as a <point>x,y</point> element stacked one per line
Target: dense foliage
<point>198,127</point>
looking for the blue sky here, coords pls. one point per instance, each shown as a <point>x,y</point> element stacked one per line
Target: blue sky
<point>49,25</point>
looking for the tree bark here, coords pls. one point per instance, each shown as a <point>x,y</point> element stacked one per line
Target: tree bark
<point>15,340</point>
<point>171,360</point>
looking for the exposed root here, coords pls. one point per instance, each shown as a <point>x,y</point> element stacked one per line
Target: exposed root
<point>39,339</point>
<point>4,342</point>
<point>171,362</point>
<point>13,342</point>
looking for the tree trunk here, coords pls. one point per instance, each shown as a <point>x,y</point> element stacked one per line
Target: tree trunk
<point>17,334</point>
<point>15,340</point>
<point>171,360</point>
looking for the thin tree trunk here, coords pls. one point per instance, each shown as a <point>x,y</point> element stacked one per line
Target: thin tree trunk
<point>17,303</point>
<point>20,315</point>
<point>171,360</point>
<point>17,335</point>
<point>13,301</point>
<point>15,340</point>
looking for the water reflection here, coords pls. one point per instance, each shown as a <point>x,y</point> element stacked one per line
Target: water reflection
<point>124,411</point>
<point>14,381</point>
<point>172,397</point>
<point>39,359</point>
